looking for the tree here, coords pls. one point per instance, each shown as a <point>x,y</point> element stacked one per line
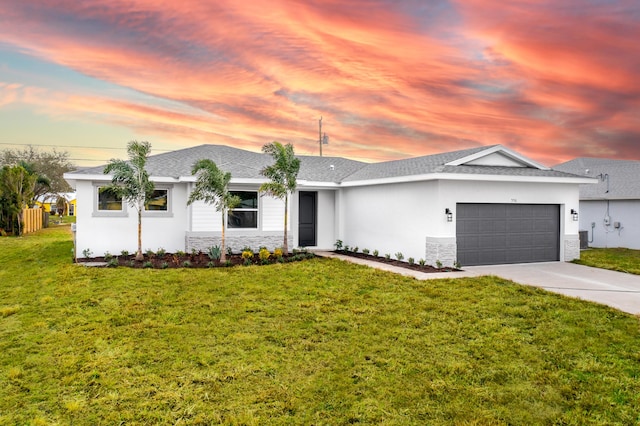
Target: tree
<point>212,187</point>
<point>282,174</point>
<point>18,187</point>
<point>131,181</point>
<point>51,165</point>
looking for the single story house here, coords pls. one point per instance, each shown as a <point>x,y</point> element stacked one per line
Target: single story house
<point>485,205</point>
<point>51,203</point>
<point>609,210</point>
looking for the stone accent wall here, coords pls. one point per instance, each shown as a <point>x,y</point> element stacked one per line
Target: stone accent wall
<point>444,250</point>
<point>571,247</point>
<point>203,241</point>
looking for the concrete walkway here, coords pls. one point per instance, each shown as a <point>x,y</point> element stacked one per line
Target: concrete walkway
<point>615,289</point>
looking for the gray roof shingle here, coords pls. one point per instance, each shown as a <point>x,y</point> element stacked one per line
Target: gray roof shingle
<point>623,180</point>
<point>247,165</point>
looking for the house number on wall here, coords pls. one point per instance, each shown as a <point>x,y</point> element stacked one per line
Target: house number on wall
<point>514,200</point>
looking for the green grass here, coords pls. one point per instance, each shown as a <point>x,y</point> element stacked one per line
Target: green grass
<point>616,259</point>
<point>315,342</point>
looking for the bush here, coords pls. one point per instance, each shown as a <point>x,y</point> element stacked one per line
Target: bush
<point>147,264</point>
<point>164,265</point>
<point>186,264</point>
<point>338,245</point>
<point>365,250</point>
<point>438,264</point>
<point>247,254</point>
<point>214,253</point>
<point>387,256</point>
<point>87,252</point>
<point>355,249</point>
<point>107,256</point>
<point>161,251</point>
<point>422,262</point>
<point>149,253</point>
<point>113,262</point>
<point>376,253</point>
<point>264,255</point>
<point>411,261</point>
<point>399,256</point>
<point>124,252</point>
<point>278,253</point>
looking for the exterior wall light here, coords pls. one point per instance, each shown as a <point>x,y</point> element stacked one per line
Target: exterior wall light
<point>449,215</point>
<point>574,215</point>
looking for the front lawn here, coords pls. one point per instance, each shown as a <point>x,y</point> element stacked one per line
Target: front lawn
<point>616,259</point>
<point>315,342</point>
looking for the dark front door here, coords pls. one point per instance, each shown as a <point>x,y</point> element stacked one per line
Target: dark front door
<point>307,219</point>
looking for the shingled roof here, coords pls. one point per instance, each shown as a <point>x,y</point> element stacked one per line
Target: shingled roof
<point>617,179</point>
<point>247,165</point>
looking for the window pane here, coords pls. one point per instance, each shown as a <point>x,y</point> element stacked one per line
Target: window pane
<point>108,200</point>
<point>242,219</point>
<point>158,201</point>
<point>248,200</point>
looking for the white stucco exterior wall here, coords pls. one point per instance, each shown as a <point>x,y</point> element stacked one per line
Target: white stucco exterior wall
<point>410,217</point>
<point>625,212</point>
<point>100,233</point>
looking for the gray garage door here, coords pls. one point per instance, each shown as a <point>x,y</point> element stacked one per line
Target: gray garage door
<point>491,234</point>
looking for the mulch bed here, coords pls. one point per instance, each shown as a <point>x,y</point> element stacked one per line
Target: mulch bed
<point>187,260</point>
<point>394,262</point>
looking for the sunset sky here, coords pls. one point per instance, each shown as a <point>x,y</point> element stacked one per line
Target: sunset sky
<point>553,80</point>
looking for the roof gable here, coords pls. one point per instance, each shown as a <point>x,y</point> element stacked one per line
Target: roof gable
<point>496,156</point>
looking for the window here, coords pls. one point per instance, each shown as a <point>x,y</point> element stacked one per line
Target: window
<point>108,200</point>
<point>246,214</point>
<point>159,201</point>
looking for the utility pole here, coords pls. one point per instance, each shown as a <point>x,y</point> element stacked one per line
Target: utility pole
<point>322,139</point>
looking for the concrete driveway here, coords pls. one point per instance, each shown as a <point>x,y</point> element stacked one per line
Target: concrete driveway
<point>615,289</point>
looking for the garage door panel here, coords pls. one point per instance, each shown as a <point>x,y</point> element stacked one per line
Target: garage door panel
<point>507,233</point>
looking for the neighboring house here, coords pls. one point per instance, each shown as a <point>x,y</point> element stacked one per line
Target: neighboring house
<point>486,205</point>
<point>49,202</point>
<point>610,210</point>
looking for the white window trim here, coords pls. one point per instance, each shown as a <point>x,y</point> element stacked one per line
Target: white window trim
<point>257,210</point>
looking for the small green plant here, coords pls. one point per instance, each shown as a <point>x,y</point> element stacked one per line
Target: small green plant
<point>211,264</point>
<point>438,264</point>
<point>278,253</point>
<point>355,249</point>
<point>365,250</point>
<point>411,260</point>
<point>264,255</point>
<point>87,252</point>
<point>180,253</point>
<point>387,256</point>
<point>246,262</point>
<point>149,253</point>
<point>147,264</point>
<point>456,264</point>
<point>214,253</point>
<point>107,256</point>
<point>164,265</point>
<point>422,262</point>
<point>338,245</point>
<point>132,263</point>
<point>347,248</point>
<point>194,251</point>
<point>228,263</point>
<point>160,251</point>
<point>186,264</point>
<point>399,256</point>
<point>124,252</point>
<point>113,262</point>
<point>376,253</point>
<point>229,251</point>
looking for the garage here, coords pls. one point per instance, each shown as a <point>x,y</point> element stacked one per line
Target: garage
<point>489,234</point>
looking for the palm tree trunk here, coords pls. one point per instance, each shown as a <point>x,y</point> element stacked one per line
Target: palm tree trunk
<point>139,255</point>
<point>285,244</point>
<point>223,253</point>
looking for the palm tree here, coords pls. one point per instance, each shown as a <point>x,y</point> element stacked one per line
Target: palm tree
<point>212,187</point>
<point>283,174</point>
<point>18,187</point>
<point>131,181</point>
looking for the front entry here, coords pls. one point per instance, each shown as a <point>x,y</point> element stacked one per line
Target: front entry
<point>307,218</point>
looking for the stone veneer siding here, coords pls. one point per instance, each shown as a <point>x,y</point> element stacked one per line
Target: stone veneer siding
<point>444,250</point>
<point>571,247</point>
<point>202,242</point>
